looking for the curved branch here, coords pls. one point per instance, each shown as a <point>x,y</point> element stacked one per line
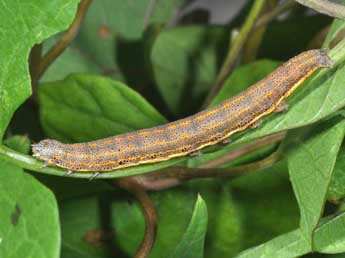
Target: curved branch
<point>64,41</point>
<point>267,140</point>
<point>135,188</point>
<point>326,7</point>
<point>170,177</point>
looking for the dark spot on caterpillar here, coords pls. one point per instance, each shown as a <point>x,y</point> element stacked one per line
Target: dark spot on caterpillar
<point>15,215</point>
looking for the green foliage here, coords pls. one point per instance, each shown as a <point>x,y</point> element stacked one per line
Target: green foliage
<point>311,167</point>
<point>185,79</point>
<point>192,242</point>
<point>29,217</point>
<point>18,36</point>
<point>131,66</point>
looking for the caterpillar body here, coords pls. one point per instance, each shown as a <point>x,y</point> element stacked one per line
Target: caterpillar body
<point>188,135</point>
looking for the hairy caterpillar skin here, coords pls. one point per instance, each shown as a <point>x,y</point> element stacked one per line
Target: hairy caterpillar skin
<point>188,135</point>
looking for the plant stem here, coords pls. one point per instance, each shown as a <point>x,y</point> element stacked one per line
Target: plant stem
<point>326,7</point>
<point>235,49</point>
<point>281,8</point>
<point>170,177</point>
<point>267,140</point>
<point>34,63</point>
<point>64,41</point>
<point>134,187</point>
<point>252,45</point>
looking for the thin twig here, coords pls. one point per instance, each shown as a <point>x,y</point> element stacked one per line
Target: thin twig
<point>149,12</point>
<point>170,177</point>
<point>251,47</point>
<point>235,49</point>
<point>35,60</point>
<point>134,187</point>
<point>267,140</point>
<point>65,40</point>
<point>326,7</point>
<point>269,16</point>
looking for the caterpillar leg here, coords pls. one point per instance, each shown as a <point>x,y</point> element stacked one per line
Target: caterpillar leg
<point>281,107</point>
<point>94,175</point>
<point>256,124</point>
<point>195,154</point>
<point>68,173</point>
<point>45,164</point>
<point>226,141</point>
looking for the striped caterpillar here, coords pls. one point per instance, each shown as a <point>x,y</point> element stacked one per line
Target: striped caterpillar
<point>187,136</point>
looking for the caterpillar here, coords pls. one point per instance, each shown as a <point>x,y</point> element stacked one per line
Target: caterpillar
<point>187,136</point>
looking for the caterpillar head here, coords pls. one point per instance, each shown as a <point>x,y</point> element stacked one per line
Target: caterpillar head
<point>324,60</point>
<point>46,149</point>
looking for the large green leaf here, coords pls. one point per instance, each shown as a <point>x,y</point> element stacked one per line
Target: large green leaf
<point>29,218</point>
<point>192,242</point>
<point>23,25</point>
<point>336,189</point>
<point>87,107</point>
<point>328,238</point>
<point>185,62</point>
<point>285,246</point>
<point>107,25</point>
<point>311,163</point>
<point>267,204</point>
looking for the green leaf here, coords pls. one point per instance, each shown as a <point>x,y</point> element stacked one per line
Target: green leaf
<point>81,223</point>
<point>328,238</point>
<point>192,242</point>
<point>267,204</point>
<point>311,164</point>
<point>336,190</point>
<point>19,143</point>
<point>285,246</point>
<point>24,25</point>
<point>185,63</point>
<point>29,218</point>
<point>87,107</point>
<point>72,60</point>
<point>107,25</point>
<point>335,33</point>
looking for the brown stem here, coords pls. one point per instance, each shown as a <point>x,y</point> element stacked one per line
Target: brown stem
<point>170,177</point>
<point>326,7</point>
<point>132,185</point>
<point>64,41</point>
<point>267,140</point>
<point>35,60</point>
